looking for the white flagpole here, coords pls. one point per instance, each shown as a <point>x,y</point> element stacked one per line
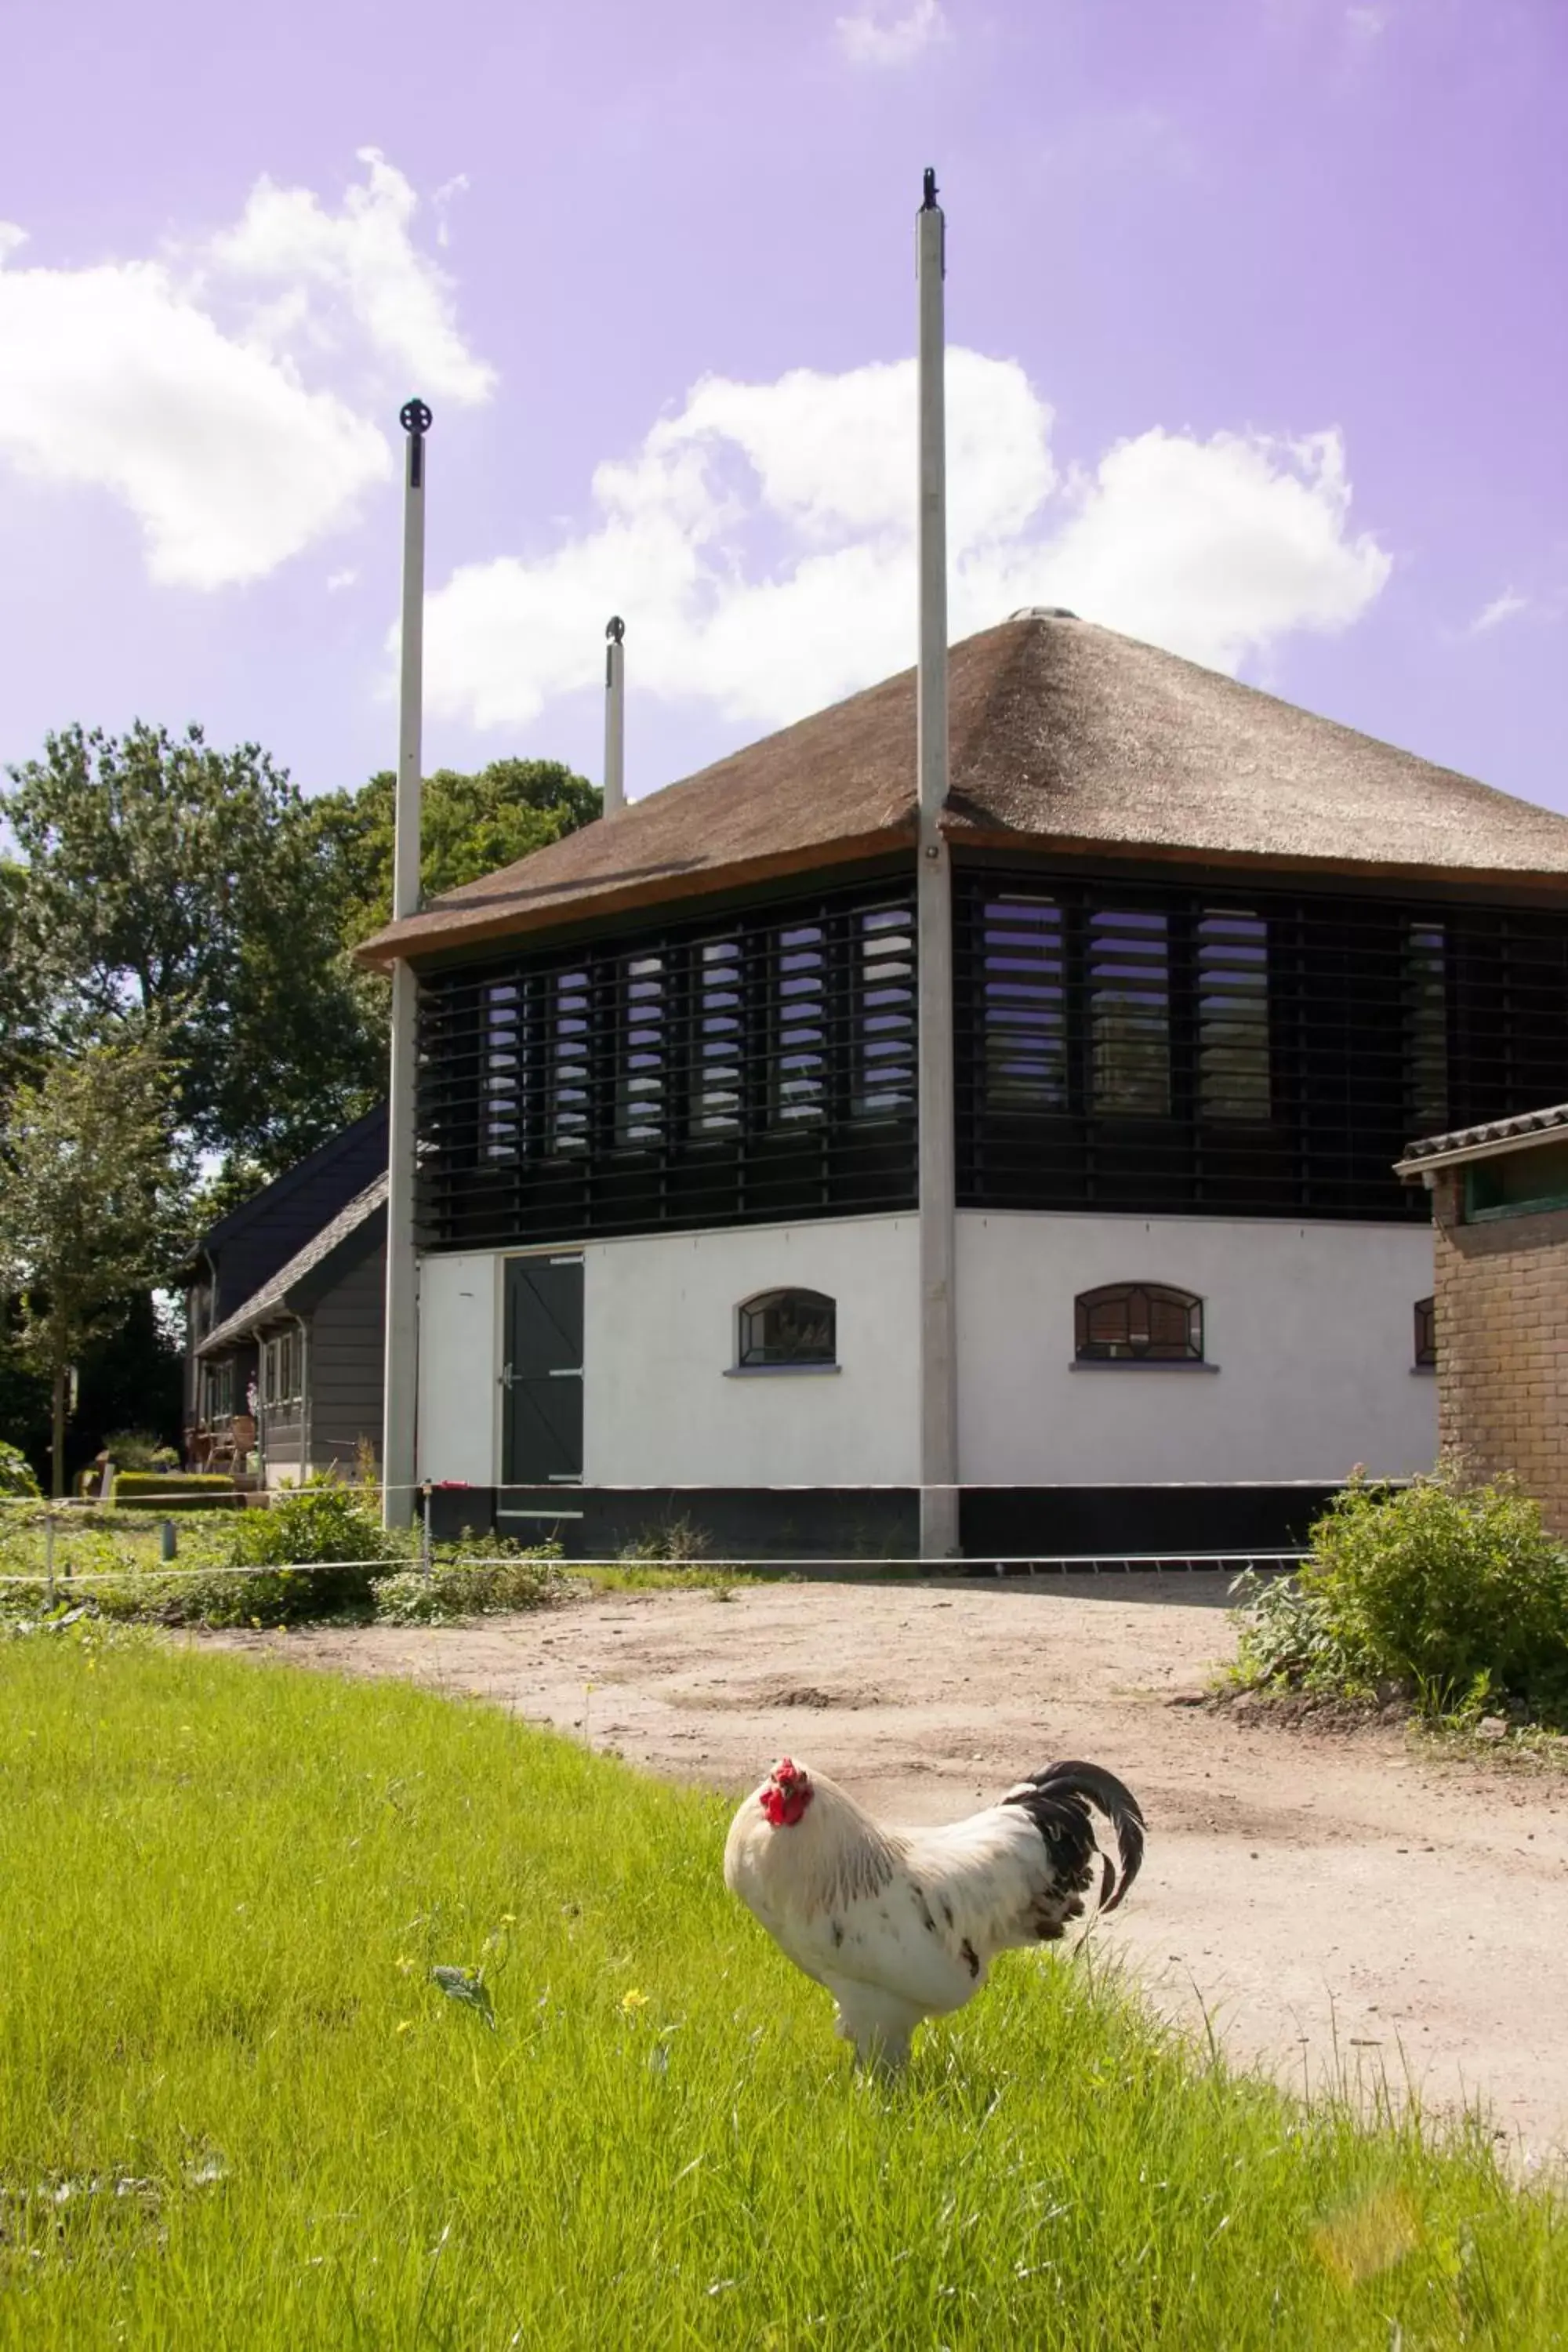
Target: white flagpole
<point>939,1368</point>
<point>400,1406</point>
<point>615,717</point>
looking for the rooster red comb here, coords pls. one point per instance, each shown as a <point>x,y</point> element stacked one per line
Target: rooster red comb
<point>787,1794</point>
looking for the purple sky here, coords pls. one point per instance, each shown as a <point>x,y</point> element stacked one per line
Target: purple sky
<point>1260,348</point>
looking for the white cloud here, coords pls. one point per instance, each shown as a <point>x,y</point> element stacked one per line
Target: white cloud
<point>761,545</point>
<point>224,391</point>
<point>337,580</point>
<point>1366,23</point>
<point>360,261</point>
<point>1502,608</point>
<point>441,204</point>
<point>877,35</point>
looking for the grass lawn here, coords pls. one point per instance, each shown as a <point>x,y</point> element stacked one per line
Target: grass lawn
<point>236,2110</point>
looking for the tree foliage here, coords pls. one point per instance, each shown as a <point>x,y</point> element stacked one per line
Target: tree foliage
<point>165,877</point>
<point>471,825</point>
<point>94,1187</point>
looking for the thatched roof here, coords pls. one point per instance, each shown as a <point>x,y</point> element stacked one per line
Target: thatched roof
<point>1064,737</point>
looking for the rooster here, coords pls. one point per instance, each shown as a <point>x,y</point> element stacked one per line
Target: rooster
<point>904,1923</point>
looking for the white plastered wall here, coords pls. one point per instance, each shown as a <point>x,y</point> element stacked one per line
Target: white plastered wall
<point>1310,1324</point>
<point>661,1405</point>
<point>460,1362</point>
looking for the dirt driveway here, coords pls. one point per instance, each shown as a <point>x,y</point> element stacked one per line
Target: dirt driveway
<point>1300,1887</point>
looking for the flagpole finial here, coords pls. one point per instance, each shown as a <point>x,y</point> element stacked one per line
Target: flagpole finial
<point>929,204</point>
<point>415,420</point>
<point>615,628</point>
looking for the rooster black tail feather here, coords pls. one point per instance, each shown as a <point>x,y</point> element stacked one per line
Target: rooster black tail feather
<point>1057,1800</point>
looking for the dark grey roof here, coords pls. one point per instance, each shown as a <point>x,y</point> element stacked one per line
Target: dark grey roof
<point>275,1295</point>
<point>1481,1142</point>
<point>247,1246</point>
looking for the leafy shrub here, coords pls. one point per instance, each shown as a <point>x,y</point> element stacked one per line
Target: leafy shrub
<point>16,1474</point>
<point>1456,1593</point>
<point>140,1449</point>
<point>672,1543</point>
<point>1286,1637</point>
<point>456,1587</point>
<point>324,1544</point>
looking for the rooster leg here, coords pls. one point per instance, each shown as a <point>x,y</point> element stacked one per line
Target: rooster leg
<point>880,2029</point>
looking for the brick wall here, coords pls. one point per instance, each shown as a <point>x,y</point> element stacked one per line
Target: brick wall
<point>1502,1345</point>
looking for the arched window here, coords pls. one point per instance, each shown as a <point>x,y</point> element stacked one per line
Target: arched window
<point>1425,1335</point>
<point>1138,1322</point>
<point>787,1327</point>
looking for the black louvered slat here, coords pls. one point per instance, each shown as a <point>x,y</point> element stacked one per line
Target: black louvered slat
<point>1149,1050</point>
<point>706,1075</point>
<point>1265,1055</point>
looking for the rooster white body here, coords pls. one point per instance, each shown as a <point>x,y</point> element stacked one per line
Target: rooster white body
<point>900,1925</point>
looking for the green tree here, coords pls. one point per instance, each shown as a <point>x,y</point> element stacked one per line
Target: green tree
<point>94,1186</point>
<point>470,825</point>
<point>17,1006</point>
<point>165,877</point>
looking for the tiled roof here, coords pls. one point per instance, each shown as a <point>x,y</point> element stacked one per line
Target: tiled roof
<point>1471,1142</point>
<point>1064,736</point>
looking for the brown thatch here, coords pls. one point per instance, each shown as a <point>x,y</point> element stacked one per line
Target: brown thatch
<point>1064,737</point>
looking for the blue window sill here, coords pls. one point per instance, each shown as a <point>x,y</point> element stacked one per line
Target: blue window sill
<point>778,1372</point>
<point>1137,1364</point>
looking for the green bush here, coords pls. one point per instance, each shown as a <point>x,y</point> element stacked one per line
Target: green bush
<point>454,1588</point>
<point>324,1542</point>
<point>1454,1593</point>
<point>140,1449</point>
<point>1286,1637</point>
<point>670,1543</point>
<point>16,1474</point>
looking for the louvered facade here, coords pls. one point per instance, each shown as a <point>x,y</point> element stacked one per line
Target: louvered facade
<point>740,1069</point>
<point>1248,1053</point>
<point>1117,1045</point>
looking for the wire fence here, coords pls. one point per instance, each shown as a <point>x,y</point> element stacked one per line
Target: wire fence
<point>153,1519</point>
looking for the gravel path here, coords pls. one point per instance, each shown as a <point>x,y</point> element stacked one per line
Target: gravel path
<point>1309,1891</point>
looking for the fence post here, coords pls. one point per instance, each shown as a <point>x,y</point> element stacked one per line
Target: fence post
<point>424,1553</point>
<point>167,1546</point>
<point>49,1553</point>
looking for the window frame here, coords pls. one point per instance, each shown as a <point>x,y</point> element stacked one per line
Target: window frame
<point>1424,1317</point>
<point>217,1394</point>
<point>1091,1353</point>
<point>750,1361</point>
<point>283,1372</point>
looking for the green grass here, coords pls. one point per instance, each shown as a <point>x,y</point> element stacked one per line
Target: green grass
<point>642,1576</point>
<point>237,2111</point>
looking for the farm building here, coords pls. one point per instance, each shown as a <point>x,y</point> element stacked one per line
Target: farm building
<point>1215,960</point>
<point>1498,1329</point>
<point>284,1318</point>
